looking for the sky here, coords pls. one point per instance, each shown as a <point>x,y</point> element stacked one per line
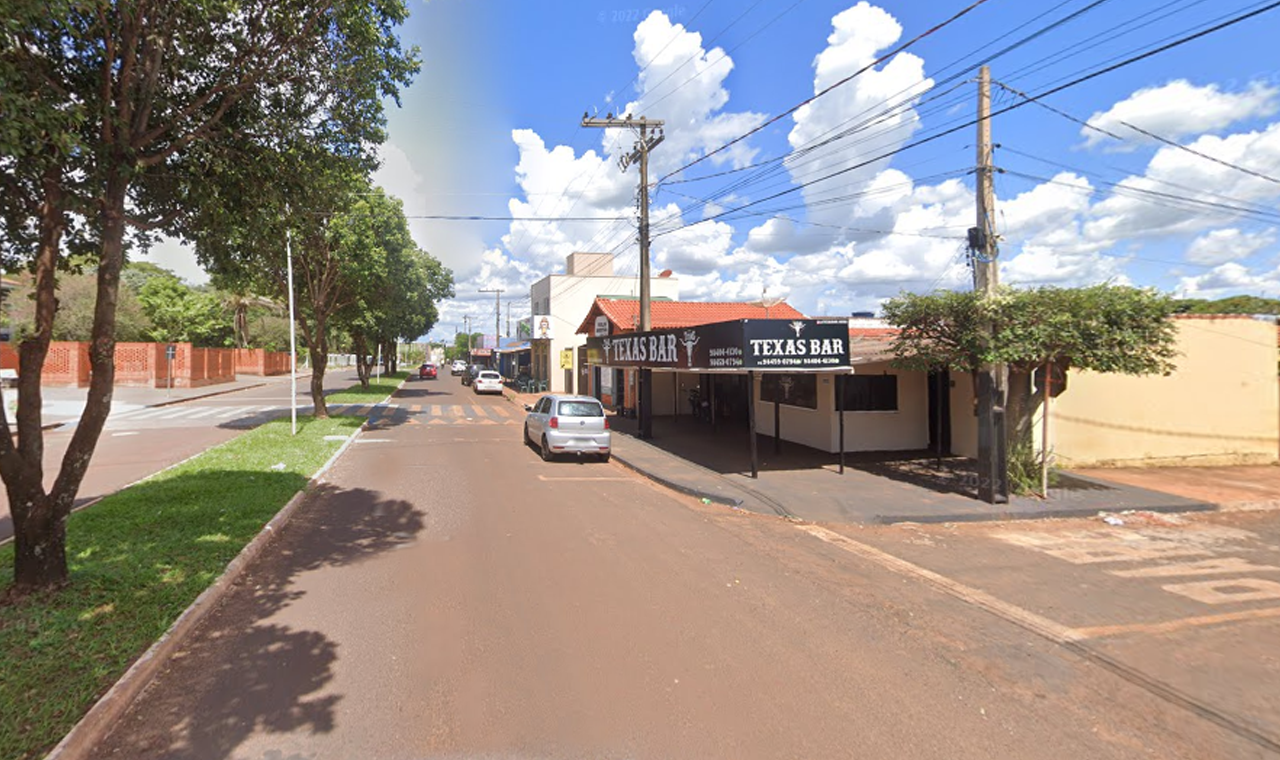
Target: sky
<point>1164,172</point>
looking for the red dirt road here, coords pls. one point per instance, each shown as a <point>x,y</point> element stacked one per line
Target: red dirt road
<point>449,595</point>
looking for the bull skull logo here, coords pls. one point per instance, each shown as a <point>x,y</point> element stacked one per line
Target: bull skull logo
<point>606,344</point>
<point>798,326</point>
<point>690,340</point>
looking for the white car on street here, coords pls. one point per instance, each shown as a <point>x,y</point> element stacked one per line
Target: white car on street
<point>487,381</point>
<point>568,425</point>
<point>458,367</point>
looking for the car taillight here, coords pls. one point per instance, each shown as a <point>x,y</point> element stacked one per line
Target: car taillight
<point>606,423</point>
<point>554,422</point>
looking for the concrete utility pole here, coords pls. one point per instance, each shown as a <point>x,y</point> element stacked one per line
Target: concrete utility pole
<point>497,320</point>
<point>993,466</point>
<point>648,136</point>
<point>466,325</point>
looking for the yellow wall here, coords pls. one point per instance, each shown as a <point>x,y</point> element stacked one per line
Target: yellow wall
<point>1221,405</point>
<point>964,423</point>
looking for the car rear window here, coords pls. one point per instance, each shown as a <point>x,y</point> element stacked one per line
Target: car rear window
<point>490,375</point>
<point>580,409</point>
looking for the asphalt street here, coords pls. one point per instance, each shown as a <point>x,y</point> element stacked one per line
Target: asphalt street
<point>447,594</point>
<point>138,441</point>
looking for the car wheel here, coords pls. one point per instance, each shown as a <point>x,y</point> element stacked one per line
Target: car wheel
<point>547,456</point>
<point>527,440</point>
<point>604,459</point>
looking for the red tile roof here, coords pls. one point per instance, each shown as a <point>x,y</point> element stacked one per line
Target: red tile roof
<point>624,314</point>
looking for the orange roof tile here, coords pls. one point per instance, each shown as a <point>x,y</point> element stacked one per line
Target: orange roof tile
<point>624,314</point>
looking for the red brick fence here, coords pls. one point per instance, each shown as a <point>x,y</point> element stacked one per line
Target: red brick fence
<point>144,364</point>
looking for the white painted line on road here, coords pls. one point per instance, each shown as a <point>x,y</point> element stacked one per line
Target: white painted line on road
<point>1044,626</point>
<point>207,412</point>
<point>235,411</point>
<point>374,440</point>
<point>126,432</point>
<point>553,478</point>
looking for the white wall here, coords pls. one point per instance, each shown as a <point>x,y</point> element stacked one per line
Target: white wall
<point>904,430</point>
<point>571,298</point>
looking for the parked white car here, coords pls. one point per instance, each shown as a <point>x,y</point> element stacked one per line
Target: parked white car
<point>568,425</point>
<point>458,367</point>
<point>487,381</point>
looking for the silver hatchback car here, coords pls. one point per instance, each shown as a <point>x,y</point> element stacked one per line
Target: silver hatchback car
<point>568,425</point>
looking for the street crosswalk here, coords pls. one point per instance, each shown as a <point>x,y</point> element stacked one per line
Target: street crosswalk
<point>424,414</point>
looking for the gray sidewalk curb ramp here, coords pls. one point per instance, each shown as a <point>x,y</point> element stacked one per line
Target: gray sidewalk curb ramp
<point>697,493</point>
<point>101,718</point>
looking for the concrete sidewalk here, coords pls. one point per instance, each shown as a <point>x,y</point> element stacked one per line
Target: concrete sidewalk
<point>806,484</point>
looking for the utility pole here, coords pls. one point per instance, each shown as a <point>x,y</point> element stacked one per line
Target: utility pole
<point>508,319</point>
<point>497,323</point>
<point>648,136</point>
<point>993,466</point>
<point>466,325</point>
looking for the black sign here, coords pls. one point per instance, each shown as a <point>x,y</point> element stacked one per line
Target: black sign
<point>765,344</point>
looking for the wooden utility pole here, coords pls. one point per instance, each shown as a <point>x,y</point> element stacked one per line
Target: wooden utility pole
<point>648,136</point>
<point>993,468</point>
<point>497,314</point>
<point>466,323</point>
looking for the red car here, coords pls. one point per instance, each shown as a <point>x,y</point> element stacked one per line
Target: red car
<point>427,371</point>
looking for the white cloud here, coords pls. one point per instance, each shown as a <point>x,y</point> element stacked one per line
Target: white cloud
<point>178,258</point>
<point>1230,278</point>
<point>859,36</point>
<point>1179,109</point>
<point>1229,244</point>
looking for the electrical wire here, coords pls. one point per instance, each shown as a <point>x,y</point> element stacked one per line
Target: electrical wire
<point>1014,106</point>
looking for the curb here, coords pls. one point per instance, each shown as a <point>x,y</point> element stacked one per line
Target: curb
<point>100,719</point>
<point>1042,515</point>
<point>203,395</point>
<point>727,501</point>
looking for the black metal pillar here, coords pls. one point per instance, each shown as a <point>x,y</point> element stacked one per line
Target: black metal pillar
<point>646,403</point>
<point>777,424</point>
<point>751,422</point>
<point>840,412</point>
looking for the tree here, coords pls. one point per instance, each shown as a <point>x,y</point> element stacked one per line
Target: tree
<point>180,314</point>
<point>115,117</point>
<point>1103,328</point>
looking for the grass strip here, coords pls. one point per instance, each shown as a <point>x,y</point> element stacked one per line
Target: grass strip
<point>138,559</point>
<point>378,390</point>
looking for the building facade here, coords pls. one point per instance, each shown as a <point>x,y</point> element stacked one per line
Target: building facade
<point>558,303</point>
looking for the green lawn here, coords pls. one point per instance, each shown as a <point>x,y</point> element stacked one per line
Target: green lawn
<point>138,559</point>
<point>377,390</point>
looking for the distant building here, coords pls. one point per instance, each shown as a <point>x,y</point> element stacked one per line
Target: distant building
<point>558,302</point>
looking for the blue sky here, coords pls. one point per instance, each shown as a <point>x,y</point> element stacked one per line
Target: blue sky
<point>491,128</point>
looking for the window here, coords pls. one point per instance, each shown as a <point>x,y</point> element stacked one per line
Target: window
<point>542,406</point>
<point>793,390</point>
<point>871,393</point>
<point>580,409</point>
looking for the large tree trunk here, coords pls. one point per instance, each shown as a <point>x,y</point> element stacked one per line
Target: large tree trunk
<point>1020,408</point>
<point>361,349</point>
<point>319,362</point>
<point>40,520</point>
<point>40,558</point>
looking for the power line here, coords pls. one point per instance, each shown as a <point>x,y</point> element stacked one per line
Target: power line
<point>1205,156</point>
<point>1073,83</point>
<point>829,88</point>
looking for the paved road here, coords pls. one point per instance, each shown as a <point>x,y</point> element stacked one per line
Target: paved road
<point>447,594</point>
<point>138,441</point>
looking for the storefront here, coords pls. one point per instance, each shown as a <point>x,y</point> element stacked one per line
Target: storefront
<point>724,370</point>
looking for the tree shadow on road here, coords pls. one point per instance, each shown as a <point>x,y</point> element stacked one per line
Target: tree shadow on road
<point>239,672</point>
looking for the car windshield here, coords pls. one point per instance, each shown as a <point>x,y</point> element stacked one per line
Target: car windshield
<point>580,409</point>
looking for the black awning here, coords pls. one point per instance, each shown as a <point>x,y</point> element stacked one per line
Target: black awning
<point>762,345</point>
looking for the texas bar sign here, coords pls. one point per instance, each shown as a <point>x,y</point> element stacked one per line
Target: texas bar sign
<point>747,344</point>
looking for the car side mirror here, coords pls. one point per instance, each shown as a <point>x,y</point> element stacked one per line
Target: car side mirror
<point>528,407</point>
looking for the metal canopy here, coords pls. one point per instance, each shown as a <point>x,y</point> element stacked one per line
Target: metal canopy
<point>759,345</point>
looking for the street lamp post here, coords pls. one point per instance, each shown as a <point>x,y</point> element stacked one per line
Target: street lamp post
<point>293,336</point>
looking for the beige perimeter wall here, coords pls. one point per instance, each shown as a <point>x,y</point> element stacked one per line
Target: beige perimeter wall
<point>1221,406</point>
